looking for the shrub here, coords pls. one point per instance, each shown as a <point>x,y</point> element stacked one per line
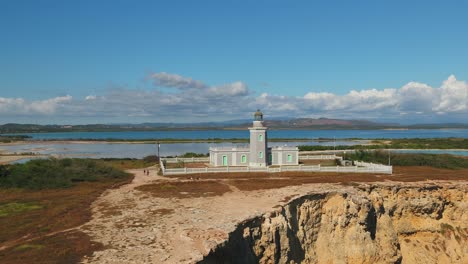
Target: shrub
<point>151,158</point>
<point>411,159</point>
<point>193,155</point>
<point>55,173</point>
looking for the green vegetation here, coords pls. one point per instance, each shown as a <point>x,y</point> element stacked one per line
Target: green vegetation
<point>29,246</point>
<point>56,173</point>
<point>404,143</point>
<point>41,199</point>
<point>404,159</point>
<point>16,207</point>
<point>339,147</point>
<point>194,155</point>
<point>129,163</point>
<point>12,138</point>
<point>428,143</point>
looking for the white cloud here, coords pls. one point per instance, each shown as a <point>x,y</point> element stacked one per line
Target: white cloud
<point>21,106</point>
<point>416,97</point>
<point>165,79</point>
<point>232,89</point>
<point>453,96</point>
<point>196,101</point>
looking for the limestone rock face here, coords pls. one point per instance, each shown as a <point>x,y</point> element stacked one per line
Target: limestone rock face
<point>370,224</point>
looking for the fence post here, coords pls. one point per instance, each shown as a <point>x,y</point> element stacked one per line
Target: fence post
<point>206,169</point>
<point>185,170</point>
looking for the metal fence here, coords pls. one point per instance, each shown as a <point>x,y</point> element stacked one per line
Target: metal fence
<point>361,167</point>
<point>319,157</point>
<point>176,160</point>
<point>207,159</point>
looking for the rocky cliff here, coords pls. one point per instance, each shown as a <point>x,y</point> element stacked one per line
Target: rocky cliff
<point>420,223</point>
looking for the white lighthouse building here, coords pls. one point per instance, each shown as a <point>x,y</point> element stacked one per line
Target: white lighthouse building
<point>258,154</point>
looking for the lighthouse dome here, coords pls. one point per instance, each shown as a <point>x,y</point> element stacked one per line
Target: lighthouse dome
<point>258,116</point>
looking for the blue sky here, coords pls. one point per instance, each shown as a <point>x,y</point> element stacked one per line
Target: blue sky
<point>159,61</point>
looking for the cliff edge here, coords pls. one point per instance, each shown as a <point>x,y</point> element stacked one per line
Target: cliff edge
<point>381,223</point>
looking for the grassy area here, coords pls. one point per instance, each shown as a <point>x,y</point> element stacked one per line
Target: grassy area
<point>12,138</point>
<point>194,155</point>
<point>404,143</point>
<point>128,163</point>
<point>41,199</point>
<point>56,173</point>
<point>16,208</point>
<point>411,159</point>
<point>426,143</point>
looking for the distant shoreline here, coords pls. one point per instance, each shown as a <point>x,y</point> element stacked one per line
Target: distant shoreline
<point>22,132</point>
<point>175,140</point>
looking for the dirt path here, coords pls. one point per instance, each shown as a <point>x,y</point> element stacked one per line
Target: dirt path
<point>137,227</point>
<point>158,223</point>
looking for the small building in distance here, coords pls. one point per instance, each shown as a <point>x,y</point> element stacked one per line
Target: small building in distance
<point>257,154</point>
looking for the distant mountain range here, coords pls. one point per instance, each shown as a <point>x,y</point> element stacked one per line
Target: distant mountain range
<point>296,123</point>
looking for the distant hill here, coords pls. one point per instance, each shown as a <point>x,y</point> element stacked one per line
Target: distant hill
<point>296,123</point>
<point>324,123</point>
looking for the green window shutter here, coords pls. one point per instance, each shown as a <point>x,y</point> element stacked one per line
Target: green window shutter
<point>260,137</point>
<point>289,158</point>
<point>260,154</point>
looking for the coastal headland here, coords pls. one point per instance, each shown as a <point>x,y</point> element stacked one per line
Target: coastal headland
<point>264,218</point>
<point>417,213</point>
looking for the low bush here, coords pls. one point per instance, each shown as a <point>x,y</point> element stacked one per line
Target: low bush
<point>56,173</point>
<point>193,155</point>
<point>410,159</point>
<point>400,143</point>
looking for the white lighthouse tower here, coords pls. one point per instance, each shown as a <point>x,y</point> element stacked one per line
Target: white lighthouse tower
<point>258,142</point>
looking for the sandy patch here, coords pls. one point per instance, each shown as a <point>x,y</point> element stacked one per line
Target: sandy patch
<point>9,159</point>
<point>138,226</point>
<point>158,219</point>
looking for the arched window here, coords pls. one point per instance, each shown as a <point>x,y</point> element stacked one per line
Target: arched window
<point>260,154</point>
<point>244,159</point>
<point>260,137</point>
<point>289,158</point>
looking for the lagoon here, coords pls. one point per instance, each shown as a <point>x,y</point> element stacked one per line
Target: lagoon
<point>227,134</point>
<point>140,150</point>
<point>132,150</point>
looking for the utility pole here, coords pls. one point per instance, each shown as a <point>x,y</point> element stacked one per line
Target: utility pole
<point>388,157</point>
<point>159,145</point>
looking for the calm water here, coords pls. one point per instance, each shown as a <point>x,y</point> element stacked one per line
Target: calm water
<point>128,150</point>
<point>125,150</point>
<point>312,134</point>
